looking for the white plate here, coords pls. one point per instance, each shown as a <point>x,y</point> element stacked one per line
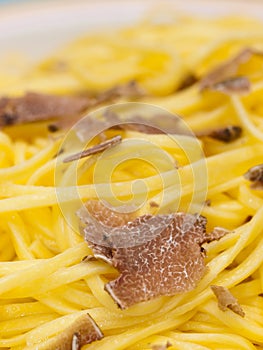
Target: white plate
<point>37,27</point>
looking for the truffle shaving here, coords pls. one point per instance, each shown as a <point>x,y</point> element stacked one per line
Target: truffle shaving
<point>227,134</point>
<point>219,78</point>
<point>226,300</point>
<point>237,85</point>
<point>157,124</point>
<point>95,149</point>
<point>35,107</point>
<point>68,109</point>
<point>155,255</point>
<point>89,126</point>
<point>130,90</point>
<point>82,331</point>
<point>255,175</point>
<point>97,221</point>
<point>216,234</point>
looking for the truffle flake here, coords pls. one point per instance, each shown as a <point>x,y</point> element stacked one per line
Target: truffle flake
<point>155,255</point>
<point>226,300</point>
<point>89,126</point>
<point>95,149</point>
<point>255,175</point>
<point>130,90</point>
<point>98,220</point>
<point>220,77</point>
<point>236,85</point>
<point>82,331</point>
<point>216,234</point>
<point>226,134</point>
<point>157,124</point>
<point>35,107</point>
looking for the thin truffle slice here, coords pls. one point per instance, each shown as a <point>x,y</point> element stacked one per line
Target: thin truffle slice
<point>226,134</point>
<point>35,107</point>
<point>82,331</point>
<point>255,175</point>
<point>130,90</point>
<point>89,127</point>
<point>105,214</point>
<point>227,70</point>
<point>95,149</point>
<point>97,221</point>
<point>226,300</point>
<point>157,124</point>
<point>155,255</point>
<point>109,227</point>
<point>216,234</point>
<point>236,85</point>
<point>68,109</point>
<point>171,263</point>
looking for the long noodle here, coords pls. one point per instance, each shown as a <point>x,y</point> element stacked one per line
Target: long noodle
<point>44,284</point>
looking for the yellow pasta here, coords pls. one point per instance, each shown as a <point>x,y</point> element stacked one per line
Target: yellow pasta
<point>45,284</point>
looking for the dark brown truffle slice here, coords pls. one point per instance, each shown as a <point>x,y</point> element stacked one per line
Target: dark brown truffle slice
<point>82,331</point>
<point>89,126</point>
<point>226,134</point>
<point>104,234</point>
<point>226,300</point>
<point>34,107</point>
<point>98,219</point>
<point>255,175</point>
<point>107,215</point>
<point>95,149</point>
<point>129,90</point>
<point>227,70</point>
<point>158,124</point>
<point>169,264</point>
<point>68,109</point>
<point>216,234</point>
<point>166,259</point>
<point>237,85</point>
<point>141,125</point>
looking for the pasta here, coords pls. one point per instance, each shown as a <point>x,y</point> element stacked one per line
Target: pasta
<point>45,285</point>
